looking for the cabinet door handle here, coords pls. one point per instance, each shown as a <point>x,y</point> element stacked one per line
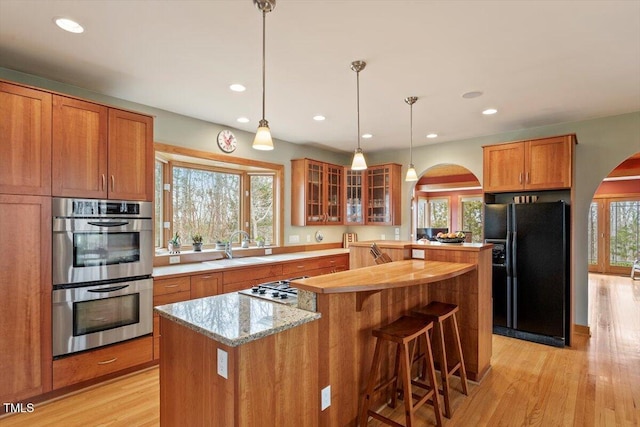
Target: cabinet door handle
<point>528,175</point>
<point>170,286</point>
<point>206,277</point>
<point>104,181</point>
<point>300,266</point>
<point>520,178</point>
<point>113,183</point>
<point>106,362</point>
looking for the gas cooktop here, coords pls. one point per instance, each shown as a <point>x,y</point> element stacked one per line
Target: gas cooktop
<point>278,291</point>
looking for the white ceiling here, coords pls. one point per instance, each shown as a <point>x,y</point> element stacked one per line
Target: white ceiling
<point>537,62</point>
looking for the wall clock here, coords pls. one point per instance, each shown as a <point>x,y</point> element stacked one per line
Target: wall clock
<point>227,141</point>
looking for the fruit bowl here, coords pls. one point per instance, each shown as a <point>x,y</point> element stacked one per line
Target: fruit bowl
<point>450,240</point>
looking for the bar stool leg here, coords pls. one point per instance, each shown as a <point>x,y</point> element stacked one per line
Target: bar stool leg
<point>406,384</point>
<point>463,370</point>
<point>396,370</point>
<point>364,414</point>
<point>431,371</point>
<point>444,370</point>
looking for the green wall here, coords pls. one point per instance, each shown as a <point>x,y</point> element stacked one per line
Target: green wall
<point>603,143</point>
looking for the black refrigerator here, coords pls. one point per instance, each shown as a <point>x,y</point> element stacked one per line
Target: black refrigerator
<point>530,270</point>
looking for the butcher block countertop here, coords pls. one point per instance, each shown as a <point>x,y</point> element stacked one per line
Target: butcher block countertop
<point>395,274</point>
<point>407,244</point>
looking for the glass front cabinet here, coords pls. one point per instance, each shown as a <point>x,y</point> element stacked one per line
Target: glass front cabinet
<point>316,190</point>
<point>372,197</point>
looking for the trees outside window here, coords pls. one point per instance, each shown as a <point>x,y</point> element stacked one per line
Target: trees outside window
<point>205,202</point>
<point>202,193</point>
<point>438,213</point>
<point>471,214</point>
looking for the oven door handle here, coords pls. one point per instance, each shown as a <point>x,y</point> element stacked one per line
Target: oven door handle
<point>109,223</point>
<point>111,289</point>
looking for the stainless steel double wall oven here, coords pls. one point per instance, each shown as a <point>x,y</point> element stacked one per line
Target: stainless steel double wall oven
<point>102,266</point>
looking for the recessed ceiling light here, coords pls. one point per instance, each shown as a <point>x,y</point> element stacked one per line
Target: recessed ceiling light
<point>432,135</point>
<point>237,87</point>
<point>489,111</point>
<point>472,94</point>
<point>69,25</point>
<point>367,135</point>
<point>319,118</point>
<point>242,120</point>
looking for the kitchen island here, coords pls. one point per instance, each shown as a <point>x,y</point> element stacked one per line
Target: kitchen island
<point>277,379</point>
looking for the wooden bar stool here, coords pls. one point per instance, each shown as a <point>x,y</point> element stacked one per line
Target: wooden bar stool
<point>405,333</point>
<point>438,312</point>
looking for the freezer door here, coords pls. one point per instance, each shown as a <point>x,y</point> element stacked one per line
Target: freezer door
<point>539,267</point>
<point>501,297</point>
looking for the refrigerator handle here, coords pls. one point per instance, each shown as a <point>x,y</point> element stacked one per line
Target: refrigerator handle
<point>514,275</point>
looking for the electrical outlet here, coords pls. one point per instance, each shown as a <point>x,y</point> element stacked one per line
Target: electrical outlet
<point>268,251</point>
<point>174,259</point>
<point>382,237</point>
<point>397,231</point>
<point>417,253</point>
<point>308,238</point>
<point>222,363</point>
<point>325,398</point>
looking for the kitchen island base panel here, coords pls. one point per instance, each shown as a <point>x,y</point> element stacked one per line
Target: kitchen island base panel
<point>272,380</point>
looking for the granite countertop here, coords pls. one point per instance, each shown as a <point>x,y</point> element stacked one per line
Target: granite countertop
<point>222,264</point>
<point>234,319</point>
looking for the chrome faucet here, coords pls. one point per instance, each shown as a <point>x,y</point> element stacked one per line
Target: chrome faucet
<point>228,250</point>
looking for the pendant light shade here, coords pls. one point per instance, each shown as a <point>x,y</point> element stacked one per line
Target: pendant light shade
<point>358,163</point>
<point>411,172</point>
<point>263,140</point>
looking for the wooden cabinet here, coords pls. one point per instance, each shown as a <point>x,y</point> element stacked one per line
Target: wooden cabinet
<point>383,186</point>
<point>316,193</point>
<point>540,164</point>
<point>79,148</point>
<point>244,278</point>
<point>205,285</point>
<point>315,266</point>
<point>105,360</point>
<point>168,291</point>
<point>25,140</point>
<point>101,152</point>
<point>354,195</point>
<point>25,283</point>
<point>130,158</point>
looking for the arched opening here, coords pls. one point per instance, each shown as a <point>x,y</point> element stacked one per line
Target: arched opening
<point>447,196</point>
<point>614,220</point>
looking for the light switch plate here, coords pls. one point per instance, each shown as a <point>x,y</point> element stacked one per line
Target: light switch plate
<point>223,364</point>
<point>325,398</point>
<point>174,259</point>
<point>417,253</point>
<point>294,238</point>
<point>268,251</point>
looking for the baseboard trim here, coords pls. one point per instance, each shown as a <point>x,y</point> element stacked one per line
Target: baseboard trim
<point>581,330</point>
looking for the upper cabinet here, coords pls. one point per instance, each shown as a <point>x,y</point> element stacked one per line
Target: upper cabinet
<point>317,193</point>
<point>383,186</point>
<point>101,152</point>
<point>130,158</point>
<point>540,164</point>
<point>25,140</point>
<point>354,196</point>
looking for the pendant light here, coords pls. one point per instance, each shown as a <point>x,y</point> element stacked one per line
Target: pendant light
<point>358,162</point>
<point>411,172</point>
<point>263,140</point>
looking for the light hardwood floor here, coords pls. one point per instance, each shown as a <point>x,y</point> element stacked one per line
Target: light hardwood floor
<point>594,383</point>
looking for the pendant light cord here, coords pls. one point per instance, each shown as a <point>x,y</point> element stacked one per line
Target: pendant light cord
<point>411,132</point>
<point>264,24</point>
<point>358,104</point>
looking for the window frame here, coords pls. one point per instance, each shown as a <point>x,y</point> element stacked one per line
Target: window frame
<point>235,165</point>
<point>471,198</point>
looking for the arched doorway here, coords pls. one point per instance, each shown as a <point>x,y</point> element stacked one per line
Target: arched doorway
<point>614,220</point>
<point>447,196</point>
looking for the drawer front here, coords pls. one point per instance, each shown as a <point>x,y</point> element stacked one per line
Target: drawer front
<point>301,267</point>
<point>263,272</point>
<point>96,363</point>
<point>171,286</point>
<point>238,286</point>
<point>171,298</point>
